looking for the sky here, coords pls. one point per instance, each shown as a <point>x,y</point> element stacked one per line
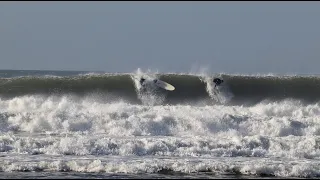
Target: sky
<point>223,37</point>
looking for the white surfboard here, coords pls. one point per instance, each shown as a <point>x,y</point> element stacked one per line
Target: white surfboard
<point>164,85</point>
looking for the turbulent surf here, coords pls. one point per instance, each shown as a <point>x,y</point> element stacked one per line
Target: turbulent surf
<point>254,125</point>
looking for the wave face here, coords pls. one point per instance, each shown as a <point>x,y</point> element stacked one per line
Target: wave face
<point>93,123</point>
<point>237,89</point>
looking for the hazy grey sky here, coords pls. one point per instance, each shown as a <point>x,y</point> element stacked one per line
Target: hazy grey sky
<point>230,37</point>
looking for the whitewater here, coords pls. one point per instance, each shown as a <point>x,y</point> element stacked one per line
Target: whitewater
<point>100,125</point>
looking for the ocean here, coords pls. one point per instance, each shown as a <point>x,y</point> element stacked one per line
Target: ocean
<point>68,124</point>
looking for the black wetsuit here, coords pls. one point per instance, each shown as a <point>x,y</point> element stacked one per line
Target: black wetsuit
<point>142,80</point>
<point>217,81</point>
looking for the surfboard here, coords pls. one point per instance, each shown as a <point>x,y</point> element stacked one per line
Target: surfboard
<point>164,85</point>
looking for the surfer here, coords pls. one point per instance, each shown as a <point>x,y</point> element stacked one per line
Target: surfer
<point>143,88</point>
<point>158,83</point>
<point>217,81</point>
<point>142,80</point>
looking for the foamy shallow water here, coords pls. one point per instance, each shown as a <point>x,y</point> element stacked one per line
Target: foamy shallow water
<point>158,167</point>
<point>76,175</point>
<point>156,155</point>
<point>83,135</point>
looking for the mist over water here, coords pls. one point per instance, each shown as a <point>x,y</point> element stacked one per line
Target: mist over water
<point>104,123</point>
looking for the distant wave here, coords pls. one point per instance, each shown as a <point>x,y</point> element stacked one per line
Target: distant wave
<point>189,88</point>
